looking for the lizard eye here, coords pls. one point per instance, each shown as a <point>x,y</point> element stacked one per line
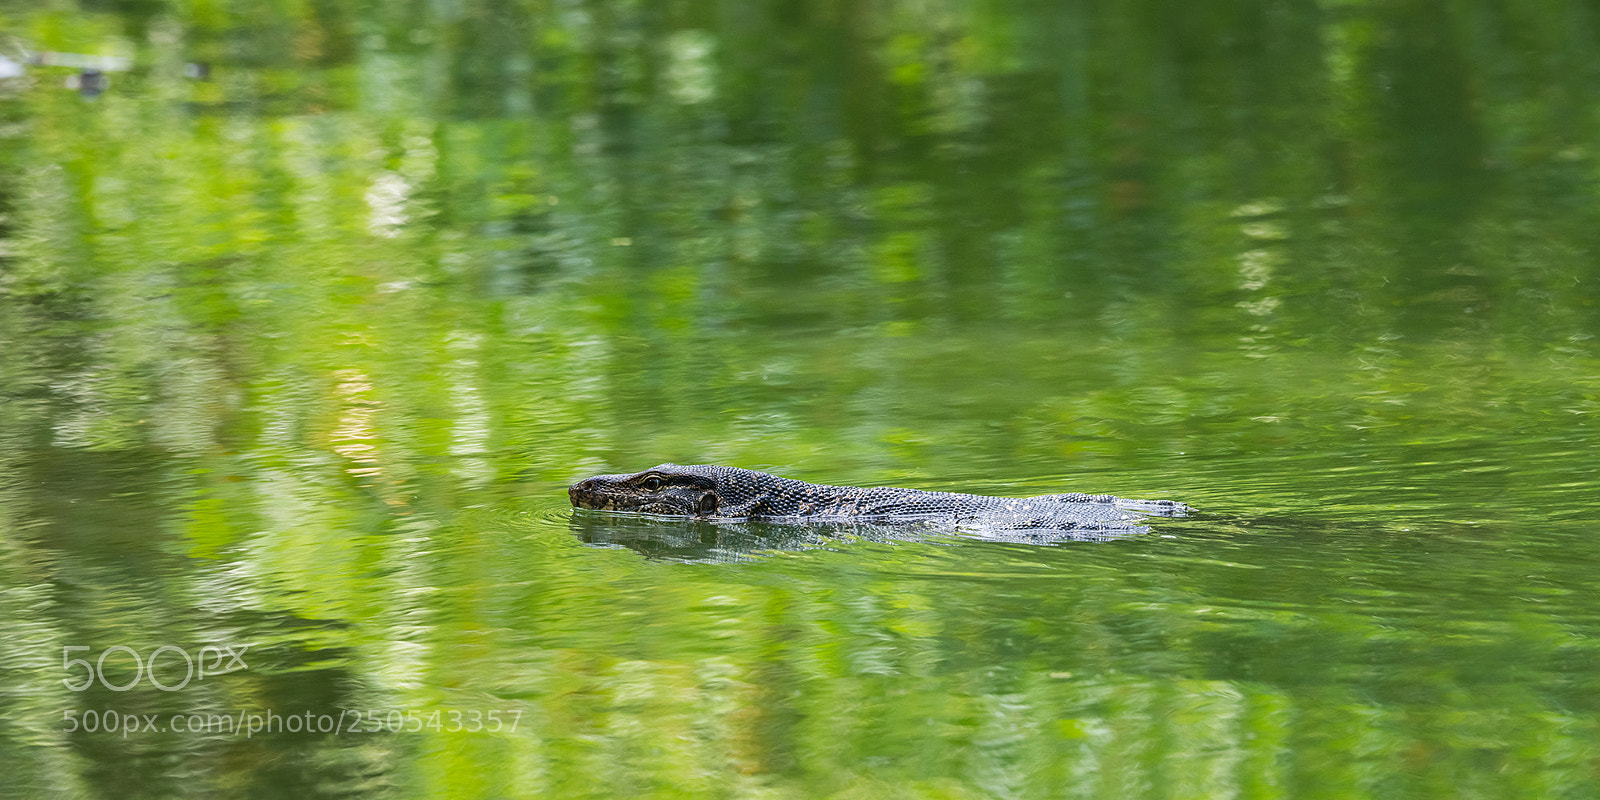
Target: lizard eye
<point>651,483</point>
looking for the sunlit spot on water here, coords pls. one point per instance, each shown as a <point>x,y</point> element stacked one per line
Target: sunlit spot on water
<point>387,198</point>
<point>354,435</point>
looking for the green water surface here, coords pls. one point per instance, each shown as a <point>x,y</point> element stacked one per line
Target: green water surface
<point>309,317</point>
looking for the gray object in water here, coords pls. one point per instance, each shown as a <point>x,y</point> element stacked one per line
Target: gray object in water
<point>730,493</point>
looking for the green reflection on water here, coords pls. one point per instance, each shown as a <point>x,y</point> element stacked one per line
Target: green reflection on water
<point>298,350</point>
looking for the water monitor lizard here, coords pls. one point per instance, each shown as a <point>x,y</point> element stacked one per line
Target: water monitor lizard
<point>730,493</point>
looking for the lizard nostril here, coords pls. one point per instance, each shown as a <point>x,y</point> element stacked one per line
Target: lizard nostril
<point>576,490</point>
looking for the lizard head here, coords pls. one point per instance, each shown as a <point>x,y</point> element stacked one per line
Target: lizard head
<point>684,491</point>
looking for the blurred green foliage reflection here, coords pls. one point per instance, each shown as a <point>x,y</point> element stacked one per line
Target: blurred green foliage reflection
<point>310,310</point>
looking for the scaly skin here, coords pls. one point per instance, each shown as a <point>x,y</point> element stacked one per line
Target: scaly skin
<point>712,492</point>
